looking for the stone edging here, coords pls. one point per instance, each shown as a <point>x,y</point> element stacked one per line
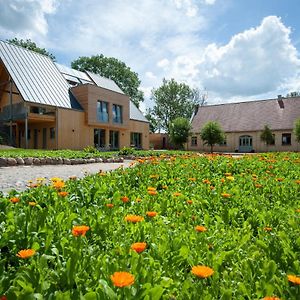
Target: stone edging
<point>28,161</point>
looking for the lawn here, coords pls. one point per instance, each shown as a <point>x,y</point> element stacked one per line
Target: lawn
<point>179,227</point>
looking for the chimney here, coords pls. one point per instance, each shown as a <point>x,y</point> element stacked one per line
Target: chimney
<point>280,101</point>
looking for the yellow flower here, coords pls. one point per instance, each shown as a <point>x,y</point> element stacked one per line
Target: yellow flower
<point>230,178</point>
<point>32,203</point>
<point>202,271</point>
<point>294,279</point>
<point>134,218</point>
<point>58,185</point>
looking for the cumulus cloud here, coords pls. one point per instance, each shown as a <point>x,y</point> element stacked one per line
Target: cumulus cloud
<point>254,62</point>
<point>25,16</point>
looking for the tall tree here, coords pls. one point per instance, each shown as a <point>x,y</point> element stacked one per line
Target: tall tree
<point>29,44</point>
<point>179,131</point>
<point>154,124</point>
<point>267,136</point>
<point>112,68</point>
<point>212,134</point>
<point>297,130</point>
<point>172,100</point>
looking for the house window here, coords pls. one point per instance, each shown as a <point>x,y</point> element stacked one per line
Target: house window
<point>114,140</point>
<point>99,138</point>
<point>224,143</point>
<point>117,113</point>
<point>28,134</point>
<point>102,111</point>
<point>136,140</point>
<point>194,141</point>
<point>286,139</point>
<point>52,133</point>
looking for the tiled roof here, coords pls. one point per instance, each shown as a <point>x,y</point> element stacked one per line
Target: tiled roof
<point>36,77</point>
<point>250,116</point>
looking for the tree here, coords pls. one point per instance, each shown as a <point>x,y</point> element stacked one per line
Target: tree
<point>109,67</point>
<point>297,130</point>
<point>267,136</point>
<point>172,100</point>
<point>154,124</point>
<point>212,134</point>
<point>179,131</point>
<point>29,44</point>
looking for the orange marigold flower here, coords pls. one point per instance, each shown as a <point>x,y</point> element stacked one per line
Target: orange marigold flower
<point>14,200</point>
<point>125,199</point>
<point>177,194</point>
<point>26,253</point>
<point>202,271</point>
<point>31,203</point>
<point>151,214</point>
<point>152,193</point>
<point>206,181</point>
<point>165,187</point>
<point>270,298</point>
<point>134,218</point>
<point>294,279</point>
<point>226,195</point>
<point>192,179</point>
<point>3,297</point>
<point>268,229</point>
<point>189,201</point>
<point>139,247</point>
<point>80,230</point>
<point>122,279</point>
<point>63,194</point>
<point>257,185</point>
<point>200,228</point>
<point>138,200</point>
<point>279,179</point>
<point>110,205</point>
<point>297,181</point>
<point>222,180</point>
<point>297,210</point>
<point>58,184</point>
<point>211,187</point>
<point>150,188</point>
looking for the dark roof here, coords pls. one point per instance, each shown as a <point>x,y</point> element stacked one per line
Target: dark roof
<point>136,114</point>
<point>36,77</point>
<point>250,116</point>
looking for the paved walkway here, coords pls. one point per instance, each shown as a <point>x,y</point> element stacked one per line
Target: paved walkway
<point>17,177</point>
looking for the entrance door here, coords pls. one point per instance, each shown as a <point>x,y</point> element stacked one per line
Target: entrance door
<point>114,140</point>
<point>99,138</point>
<point>35,139</point>
<point>245,144</point>
<point>44,138</point>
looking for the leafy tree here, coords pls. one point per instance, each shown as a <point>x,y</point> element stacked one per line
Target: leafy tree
<point>154,124</point>
<point>267,136</point>
<point>179,131</point>
<point>212,134</point>
<point>297,130</point>
<point>172,100</point>
<point>29,44</point>
<point>112,68</point>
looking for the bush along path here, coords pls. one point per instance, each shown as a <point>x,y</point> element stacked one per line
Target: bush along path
<point>190,227</point>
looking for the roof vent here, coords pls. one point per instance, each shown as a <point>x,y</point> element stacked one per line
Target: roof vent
<point>280,101</point>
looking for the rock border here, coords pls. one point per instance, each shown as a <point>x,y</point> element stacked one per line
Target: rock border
<point>29,161</point>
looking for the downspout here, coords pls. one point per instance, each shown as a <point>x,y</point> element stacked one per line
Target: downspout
<point>56,128</point>
<point>10,113</point>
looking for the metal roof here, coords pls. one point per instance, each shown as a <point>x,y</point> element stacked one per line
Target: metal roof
<point>105,82</point>
<point>136,114</point>
<point>36,77</point>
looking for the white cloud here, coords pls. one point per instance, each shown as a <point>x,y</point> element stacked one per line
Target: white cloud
<point>254,62</point>
<point>210,2</point>
<point>163,63</point>
<point>150,75</point>
<point>25,17</point>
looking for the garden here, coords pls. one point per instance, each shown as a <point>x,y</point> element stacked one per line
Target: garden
<point>190,226</point>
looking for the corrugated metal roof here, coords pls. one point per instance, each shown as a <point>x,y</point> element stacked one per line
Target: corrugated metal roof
<point>36,77</point>
<point>250,116</point>
<point>105,82</point>
<point>136,114</point>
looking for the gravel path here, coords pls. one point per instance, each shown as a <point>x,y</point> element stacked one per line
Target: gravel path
<point>17,177</point>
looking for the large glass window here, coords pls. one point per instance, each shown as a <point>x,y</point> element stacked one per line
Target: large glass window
<point>286,139</point>
<point>117,113</point>
<point>194,141</point>
<point>102,111</point>
<point>114,140</point>
<point>99,138</point>
<point>136,140</point>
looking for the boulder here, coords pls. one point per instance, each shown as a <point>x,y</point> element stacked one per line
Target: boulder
<point>20,161</point>
<point>11,161</point>
<point>3,162</point>
<point>28,160</point>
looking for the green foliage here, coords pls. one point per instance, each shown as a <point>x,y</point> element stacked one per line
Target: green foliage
<point>91,149</point>
<point>267,135</point>
<point>252,239</point>
<point>212,134</point>
<point>126,151</point>
<point>179,131</point>
<point>297,130</point>
<point>112,68</point>
<point>30,45</point>
<point>154,125</point>
<point>172,100</point>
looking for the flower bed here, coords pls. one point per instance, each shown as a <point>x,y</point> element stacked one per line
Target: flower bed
<point>192,227</point>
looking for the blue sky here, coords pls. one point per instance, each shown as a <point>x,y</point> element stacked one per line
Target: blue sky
<point>236,50</point>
